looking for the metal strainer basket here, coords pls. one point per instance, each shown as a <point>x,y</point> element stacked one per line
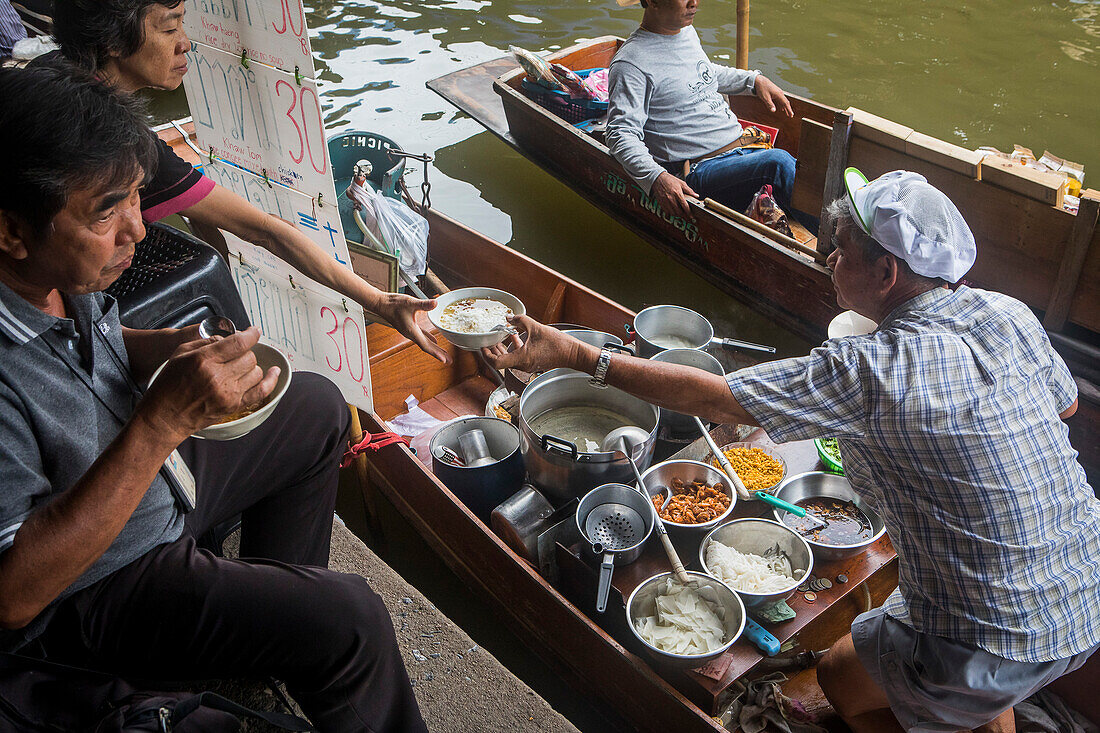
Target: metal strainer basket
<point>616,522</point>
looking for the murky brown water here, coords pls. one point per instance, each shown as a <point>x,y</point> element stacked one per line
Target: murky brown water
<point>974,73</point>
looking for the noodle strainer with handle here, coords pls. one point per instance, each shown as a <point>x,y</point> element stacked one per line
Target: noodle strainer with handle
<point>616,522</point>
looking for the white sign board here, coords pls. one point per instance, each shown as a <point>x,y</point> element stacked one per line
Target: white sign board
<point>259,118</point>
<point>273,32</point>
<point>319,223</point>
<point>319,330</point>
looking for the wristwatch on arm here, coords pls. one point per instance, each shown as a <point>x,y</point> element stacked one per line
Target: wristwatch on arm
<point>603,363</point>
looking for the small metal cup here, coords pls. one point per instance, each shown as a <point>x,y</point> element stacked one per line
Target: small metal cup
<point>475,451</point>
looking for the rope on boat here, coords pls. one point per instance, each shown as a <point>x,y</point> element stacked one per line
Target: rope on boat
<point>370,442</point>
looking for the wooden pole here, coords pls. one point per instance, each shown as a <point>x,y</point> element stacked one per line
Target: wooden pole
<point>366,486</point>
<point>742,34</point>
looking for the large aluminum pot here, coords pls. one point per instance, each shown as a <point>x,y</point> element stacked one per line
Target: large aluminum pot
<point>677,422</point>
<point>555,463</point>
<point>661,327</point>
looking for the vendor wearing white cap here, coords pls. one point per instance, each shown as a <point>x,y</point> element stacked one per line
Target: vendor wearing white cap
<point>950,418</point>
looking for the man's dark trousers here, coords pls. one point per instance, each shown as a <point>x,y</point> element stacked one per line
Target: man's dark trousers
<point>180,613</point>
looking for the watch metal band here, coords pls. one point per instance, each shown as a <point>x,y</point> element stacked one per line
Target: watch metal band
<point>602,365</point>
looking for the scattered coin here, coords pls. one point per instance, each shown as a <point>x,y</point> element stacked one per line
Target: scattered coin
<point>826,584</point>
<point>803,588</point>
<point>810,597</point>
<point>842,578</point>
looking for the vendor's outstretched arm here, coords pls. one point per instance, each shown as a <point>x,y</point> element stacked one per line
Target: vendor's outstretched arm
<point>227,210</point>
<point>681,388</point>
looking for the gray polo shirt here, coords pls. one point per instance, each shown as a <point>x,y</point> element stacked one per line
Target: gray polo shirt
<point>53,427</point>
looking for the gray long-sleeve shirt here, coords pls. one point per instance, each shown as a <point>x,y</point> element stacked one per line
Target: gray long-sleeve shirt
<point>666,102</point>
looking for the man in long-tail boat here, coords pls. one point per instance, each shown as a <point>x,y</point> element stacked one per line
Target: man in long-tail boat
<point>670,127</point>
<point>98,559</point>
<point>141,44</point>
<point>950,415</point>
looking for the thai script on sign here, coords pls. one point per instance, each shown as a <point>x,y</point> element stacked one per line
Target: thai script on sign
<point>272,32</point>
<point>259,118</point>
<point>318,329</point>
<point>318,221</point>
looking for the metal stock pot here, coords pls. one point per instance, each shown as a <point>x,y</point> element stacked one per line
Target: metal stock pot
<point>561,408</point>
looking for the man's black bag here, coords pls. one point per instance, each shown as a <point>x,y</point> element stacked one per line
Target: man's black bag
<point>42,697</point>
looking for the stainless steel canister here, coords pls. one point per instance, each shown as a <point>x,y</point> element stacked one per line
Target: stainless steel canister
<point>480,488</point>
<point>678,422</point>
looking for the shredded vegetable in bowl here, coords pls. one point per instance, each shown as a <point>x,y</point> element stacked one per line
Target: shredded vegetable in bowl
<point>750,573</point>
<point>684,623</point>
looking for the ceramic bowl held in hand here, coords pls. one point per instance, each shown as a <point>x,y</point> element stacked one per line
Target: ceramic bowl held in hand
<point>266,357</point>
<point>449,322</point>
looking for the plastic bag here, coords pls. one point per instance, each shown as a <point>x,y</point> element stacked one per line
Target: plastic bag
<point>537,68</point>
<point>394,226</point>
<point>415,421</point>
<point>597,84</point>
<point>764,210</point>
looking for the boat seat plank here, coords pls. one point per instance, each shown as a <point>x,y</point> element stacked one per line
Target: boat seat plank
<point>468,397</point>
<point>813,162</point>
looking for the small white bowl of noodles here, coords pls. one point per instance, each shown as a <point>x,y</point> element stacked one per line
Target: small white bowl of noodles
<point>241,423</point>
<point>466,317</point>
<point>685,629</point>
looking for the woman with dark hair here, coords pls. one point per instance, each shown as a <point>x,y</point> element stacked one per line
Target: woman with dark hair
<point>141,44</point>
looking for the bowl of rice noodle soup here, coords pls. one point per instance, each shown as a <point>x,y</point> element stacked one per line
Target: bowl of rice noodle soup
<point>244,420</point>
<point>466,317</point>
<point>685,626</point>
<point>763,561</point>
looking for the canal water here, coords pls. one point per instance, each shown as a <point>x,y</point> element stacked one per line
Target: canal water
<point>981,72</point>
<point>985,72</point>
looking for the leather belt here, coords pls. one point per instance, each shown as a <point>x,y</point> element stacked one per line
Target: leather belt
<point>751,137</point>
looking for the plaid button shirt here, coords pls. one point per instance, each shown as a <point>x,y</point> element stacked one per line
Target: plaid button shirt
<point>948,420</point>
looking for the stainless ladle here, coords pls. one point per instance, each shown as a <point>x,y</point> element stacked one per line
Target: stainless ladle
<point>628,436</point>
<point>216,326</point>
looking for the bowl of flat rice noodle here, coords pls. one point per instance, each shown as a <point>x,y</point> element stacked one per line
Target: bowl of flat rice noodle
<point>243,421</point>
<point>763,561</point>
<point>466,317</point>
<point>685,626</point>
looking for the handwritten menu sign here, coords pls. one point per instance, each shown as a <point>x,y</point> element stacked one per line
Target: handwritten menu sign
<point>272,32</point>
<point>319,223</point>
<point>318,329</point>
<point>259,118</point>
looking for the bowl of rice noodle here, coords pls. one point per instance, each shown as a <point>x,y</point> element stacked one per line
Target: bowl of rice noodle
<point>685,626</point>
<point>762,560</point>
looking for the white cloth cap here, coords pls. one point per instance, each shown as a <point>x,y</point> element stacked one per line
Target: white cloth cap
<point>913,221</point>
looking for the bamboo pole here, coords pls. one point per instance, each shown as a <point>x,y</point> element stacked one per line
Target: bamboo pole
<point>783,239</point>
<point>366,486</point>
<point>742,34</point>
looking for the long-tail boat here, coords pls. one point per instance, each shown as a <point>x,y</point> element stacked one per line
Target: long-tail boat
<point>1029,246</point>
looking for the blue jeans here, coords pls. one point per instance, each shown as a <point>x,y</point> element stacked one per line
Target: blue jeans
<point>733,178</point>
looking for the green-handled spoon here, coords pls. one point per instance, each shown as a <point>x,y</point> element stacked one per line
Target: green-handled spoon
<point>790,509</point>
